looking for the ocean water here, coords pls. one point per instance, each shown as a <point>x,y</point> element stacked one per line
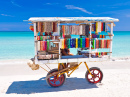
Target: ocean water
<point>20,45</point>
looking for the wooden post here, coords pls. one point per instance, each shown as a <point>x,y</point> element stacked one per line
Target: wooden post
<point>35,41</point>
<point>59,39</point>
<point>111,37</point>
<point>90,41</point>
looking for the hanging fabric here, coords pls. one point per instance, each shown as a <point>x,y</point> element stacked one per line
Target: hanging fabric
<point>83,29</point>
<point>48,27</point>
<point>38,37</point>
<point>43,26</point>
<point>38,48</point>
<point>37,27</point>
<point>73,30</point>
<point>77,30</point>
<point>66,30</point>
<point>87,42</point>
<point>97,36</point>
<point>96,54</point>
<point>45,45</point>
<point>70,29</point>
<point>108,43</point>
<point>101,53</point>
<point>99,26</point>
<point>93,44</point>
<point>71,43</point>
<point>104,26</point>
<point>68,33</point>
<point>87,30</point>
<point>80,32</point>
<point>62,43</point>
<point>61,31</point>
<point>96,28</point>
<point>41,38</point>
<point>94,36</point>
<point>100,43</point>
<point>41,45</point>
<point>40,27</point>
<point>104,43</point>
<point>54,27</point>
<point>83,42</point>
<point>76,42</point>
<point>93,27</point>
<point>48,45</point>
<point>97,43</point>
<point>68,43</point>
<point>79,43</point>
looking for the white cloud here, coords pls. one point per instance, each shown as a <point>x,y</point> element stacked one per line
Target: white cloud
<point>74,7</point>
<point>128,15</point>
<point>50,3</point>
<point>15,4</point>
<point>7,15</point>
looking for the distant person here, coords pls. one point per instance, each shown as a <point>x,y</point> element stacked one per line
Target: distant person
<point>66,52</point>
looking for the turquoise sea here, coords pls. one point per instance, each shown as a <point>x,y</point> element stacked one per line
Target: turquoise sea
<point>20,45</point>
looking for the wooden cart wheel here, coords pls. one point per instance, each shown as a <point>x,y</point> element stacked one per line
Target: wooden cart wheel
<point>97,75</point>
<point>55,81</point>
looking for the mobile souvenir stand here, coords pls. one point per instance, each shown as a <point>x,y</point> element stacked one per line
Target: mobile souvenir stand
<point>52,35</point>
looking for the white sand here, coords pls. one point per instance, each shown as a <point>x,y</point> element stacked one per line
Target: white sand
<point>17,79</point>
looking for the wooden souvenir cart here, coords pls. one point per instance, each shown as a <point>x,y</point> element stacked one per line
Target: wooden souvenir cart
<point>52,35</point>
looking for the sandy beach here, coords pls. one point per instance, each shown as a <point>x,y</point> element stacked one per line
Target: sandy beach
<point>17,79</point>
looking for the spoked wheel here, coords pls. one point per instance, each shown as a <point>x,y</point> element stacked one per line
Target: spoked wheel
<point>55,81</point>
<point>97,75</point>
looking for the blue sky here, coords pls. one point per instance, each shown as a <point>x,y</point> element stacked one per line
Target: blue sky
<point>13,12</point>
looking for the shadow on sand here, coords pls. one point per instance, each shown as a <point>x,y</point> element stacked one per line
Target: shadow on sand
<point>40,86</point>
